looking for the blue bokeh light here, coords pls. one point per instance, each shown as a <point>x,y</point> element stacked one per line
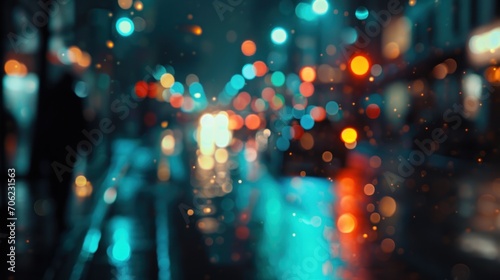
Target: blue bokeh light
<point>177,88</point>
<point>282,144</point>
<point>248,71</point>
<point>307,122</point>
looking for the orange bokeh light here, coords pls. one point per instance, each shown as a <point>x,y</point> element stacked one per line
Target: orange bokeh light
<point>308,74</point>
<point>85,60</point>
<point>196,30</point>
<point>346,223</point>
<point>359,65</point>
<point>14,67</point>
<point>306,89</point>
<point>260,68</point>
<point>176,100</point>
<point>252,122</point>
<point>241,101</point>
<point>248,48</point>
<point>235,122</point>
<point>268,94</point>
<point>318,114</point>
<point>75,54</point>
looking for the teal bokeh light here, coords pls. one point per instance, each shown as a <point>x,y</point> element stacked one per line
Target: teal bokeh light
<point>320,7</point>
<point>120,251</point>
<point>279,35</point>
<point>332,108</point>
<point>125,26</point>
<point>307,122</point>
<point>278,79</point>
<point>361,13</point>
<point>248,71</point>
<point>282,144</point>
<point>237,82</point>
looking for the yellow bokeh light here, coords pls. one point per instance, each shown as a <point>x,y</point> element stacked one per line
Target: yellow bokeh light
<point>359,65</point>
<point>349,135</point>
<point>138,5</point>
<point>80,181</point>
<point>308,74</point>
<point>221,155</point>
<point>167,80</point>
<point>110,44</point>
<point>84,191</point>
<point>206,162</point>
<point>168,144</point>
<point>346,223</point>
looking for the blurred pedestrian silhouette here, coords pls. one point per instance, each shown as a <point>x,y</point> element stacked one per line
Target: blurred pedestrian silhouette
<point>59,125</point>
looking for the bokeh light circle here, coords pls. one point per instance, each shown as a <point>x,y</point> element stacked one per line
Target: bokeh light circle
<point>359,65</point>
<point>349,135</point>
<point>125,26</point>
<point>373,111</point>
<point>332,108</point>
<point>346,223</point>
<point>248,48</point>
<point>320,7</point>
<point>361,13</point>
<point>279,35</point>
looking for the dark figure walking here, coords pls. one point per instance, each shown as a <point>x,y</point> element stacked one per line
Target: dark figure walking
<point>60,125</point>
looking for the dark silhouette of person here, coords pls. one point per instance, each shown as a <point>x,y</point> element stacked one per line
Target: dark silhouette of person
<point>59,126</point>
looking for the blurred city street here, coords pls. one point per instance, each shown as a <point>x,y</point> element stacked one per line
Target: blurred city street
<point>238,139</point>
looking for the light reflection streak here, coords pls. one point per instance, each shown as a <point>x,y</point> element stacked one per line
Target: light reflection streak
<point>350,224</point>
